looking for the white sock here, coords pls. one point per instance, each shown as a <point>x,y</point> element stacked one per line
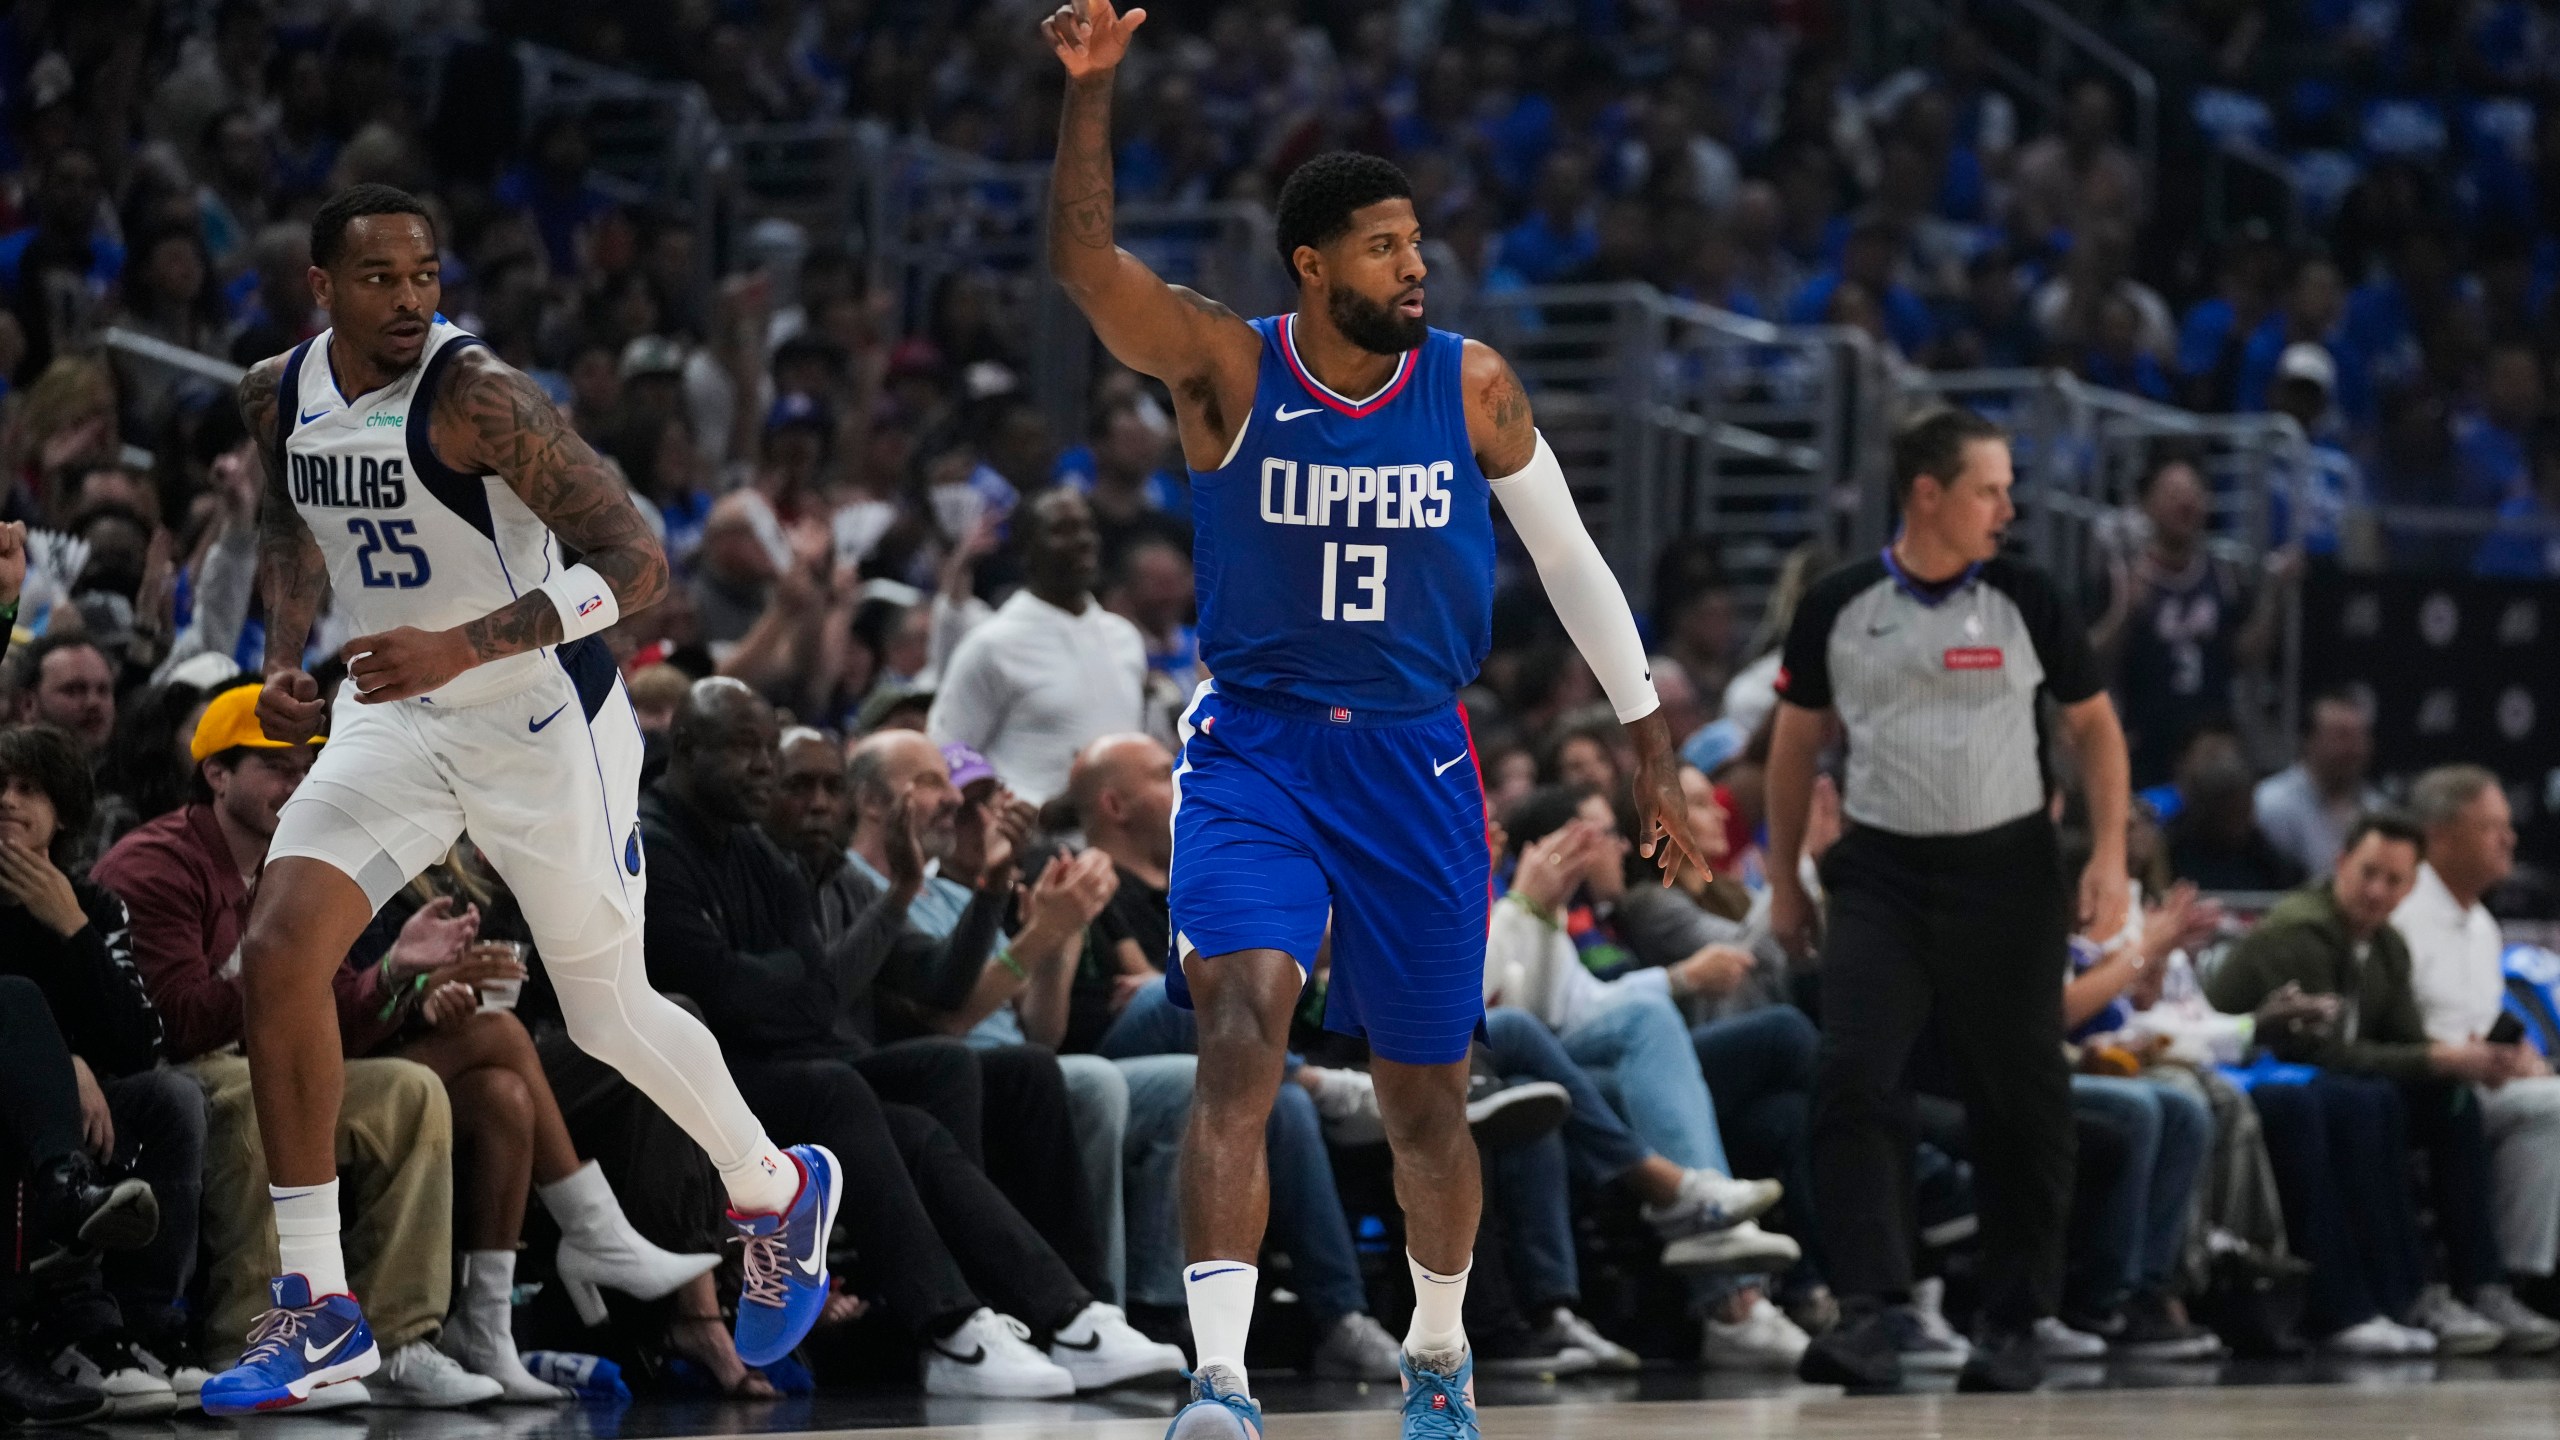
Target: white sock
<point>1439,1310</point>
<point>1221,1298</point>
<point>307,1236</point>
<point>764,1183</point>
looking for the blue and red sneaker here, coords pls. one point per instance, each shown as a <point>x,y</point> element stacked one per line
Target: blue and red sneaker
<point>296,1348</point>
<point>1440,1404</point>
<point>785,1284</point>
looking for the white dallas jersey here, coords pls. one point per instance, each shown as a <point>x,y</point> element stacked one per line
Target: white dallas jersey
<point>409,540</point>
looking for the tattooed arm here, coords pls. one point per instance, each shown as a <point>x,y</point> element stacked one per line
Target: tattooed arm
<point>1498,421</point>
<point>489,418</point>
<point>293,576</point>
<point>1192,343</point>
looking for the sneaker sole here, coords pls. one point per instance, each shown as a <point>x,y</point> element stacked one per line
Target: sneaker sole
<point>1700,1254</point>
<point>1518,1114</point>
<point>1573,1360</point>
<point>2526,1343</point>
<point>300,1392</point>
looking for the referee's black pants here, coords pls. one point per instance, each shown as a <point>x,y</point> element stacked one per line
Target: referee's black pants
<point>1971,928</point>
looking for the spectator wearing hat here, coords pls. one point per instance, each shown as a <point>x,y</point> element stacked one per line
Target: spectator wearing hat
<point>1052,670</point>
<point>2456,966</point>
<point>2313,513</point>
<point>185,878</point>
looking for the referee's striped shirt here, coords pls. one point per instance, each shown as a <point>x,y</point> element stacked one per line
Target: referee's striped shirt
<point>1936,685</point>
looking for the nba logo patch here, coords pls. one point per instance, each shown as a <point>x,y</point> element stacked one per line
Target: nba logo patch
<point>590,605</point>
<point>1341,716</point>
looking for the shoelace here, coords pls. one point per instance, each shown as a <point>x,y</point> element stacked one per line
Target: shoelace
<point>276,1330</point>
<point>763,1281</point>
<point>1241,1406</point>
<point>1452,1418</point>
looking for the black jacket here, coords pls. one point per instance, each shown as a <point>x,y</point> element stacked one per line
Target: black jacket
<point>733,925</point>
<point>89,979</point>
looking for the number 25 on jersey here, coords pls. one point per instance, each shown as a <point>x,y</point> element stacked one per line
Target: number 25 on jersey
<point>391,536</point>
<point>1365,568</point>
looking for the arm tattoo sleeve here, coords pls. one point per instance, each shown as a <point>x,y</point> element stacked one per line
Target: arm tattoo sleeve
<point>509,426</point>
<point>292,574</point>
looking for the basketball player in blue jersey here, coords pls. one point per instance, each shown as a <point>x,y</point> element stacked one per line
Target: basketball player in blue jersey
<point>479,546</point>
<point>1344,460</point>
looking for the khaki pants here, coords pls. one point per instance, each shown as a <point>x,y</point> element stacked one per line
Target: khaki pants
<point>395,1159</point>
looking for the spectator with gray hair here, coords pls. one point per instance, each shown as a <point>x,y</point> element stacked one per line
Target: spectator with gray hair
<point>2456,968</point>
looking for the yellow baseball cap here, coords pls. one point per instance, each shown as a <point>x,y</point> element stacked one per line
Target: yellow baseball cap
<point>231,721</point>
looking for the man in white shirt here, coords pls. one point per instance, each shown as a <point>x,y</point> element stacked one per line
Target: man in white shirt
<point>1051,670</point>
<point>2304,808</point>
<point>2455,968</point>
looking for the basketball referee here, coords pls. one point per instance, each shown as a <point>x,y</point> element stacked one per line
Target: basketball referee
<point>1946,895</point>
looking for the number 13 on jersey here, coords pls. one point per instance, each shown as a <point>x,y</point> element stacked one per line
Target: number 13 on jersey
<point>1370,580</point>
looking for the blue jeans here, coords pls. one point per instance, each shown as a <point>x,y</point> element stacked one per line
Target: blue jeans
<point>1759,1067</point>
<point>1534,1180</point>
<point>1640,1053</point>
<point>1306,1208</point>
<point>2144,1218</point>
<point>1599,1145</point>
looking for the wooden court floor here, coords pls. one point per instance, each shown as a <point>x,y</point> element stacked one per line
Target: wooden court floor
<point>2483,1410</point>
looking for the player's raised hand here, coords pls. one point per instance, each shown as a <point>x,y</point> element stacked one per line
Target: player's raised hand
<point>290,708</point>
<point>1091,36</point>
<point>404,663</point>
<point>1662,808</point>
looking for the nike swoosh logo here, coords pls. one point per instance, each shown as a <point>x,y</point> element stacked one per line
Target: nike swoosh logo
<point>974,1357</point>
<point>311,1356</point>
<point>1198,1275</point>
<point>314,415</point>
<point>1443,767</point>
<point>1285,413</point>
<point>1875,630</point>
<point>1087,1348</point>
<point>536,725</point>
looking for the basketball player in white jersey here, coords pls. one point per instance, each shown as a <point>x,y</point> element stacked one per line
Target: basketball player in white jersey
<point>479,546</point>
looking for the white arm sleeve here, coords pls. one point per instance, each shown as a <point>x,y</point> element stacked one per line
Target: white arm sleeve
<point>1578,581</point>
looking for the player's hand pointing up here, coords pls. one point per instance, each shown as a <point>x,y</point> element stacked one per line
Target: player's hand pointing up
<point>1091,36</point>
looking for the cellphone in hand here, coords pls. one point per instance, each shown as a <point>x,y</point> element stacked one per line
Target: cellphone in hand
<point>2507,1030</point>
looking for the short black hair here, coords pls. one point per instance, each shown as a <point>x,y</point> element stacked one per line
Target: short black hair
<point>1319,197</point>
<point>2390,825</point>
<point>329,227</point>
<point>51,761</point>
<point>29,672</point>
<point>1932,444</point>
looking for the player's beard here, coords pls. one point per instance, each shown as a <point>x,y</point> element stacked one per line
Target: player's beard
<point>1378,329</point>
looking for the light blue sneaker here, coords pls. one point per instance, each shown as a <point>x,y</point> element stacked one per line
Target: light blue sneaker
<point>785,1282</point>
<point>1438,1406</point>
<point>296,1348</point>
<point>1219,1409</point>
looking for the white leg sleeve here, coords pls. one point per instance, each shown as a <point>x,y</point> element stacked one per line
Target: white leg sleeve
<point>657,1044</point>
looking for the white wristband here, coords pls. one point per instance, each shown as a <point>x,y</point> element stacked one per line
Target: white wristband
<point>585,602</point>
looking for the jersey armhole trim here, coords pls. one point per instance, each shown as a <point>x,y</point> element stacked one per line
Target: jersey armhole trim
<point>289,398</point>
<point>1236,448</point>
<point>465,495</point>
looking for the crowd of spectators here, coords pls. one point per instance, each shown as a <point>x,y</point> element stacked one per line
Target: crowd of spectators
<point>913,704</point>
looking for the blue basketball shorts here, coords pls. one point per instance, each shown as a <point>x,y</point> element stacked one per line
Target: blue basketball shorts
<point>1289,817</point>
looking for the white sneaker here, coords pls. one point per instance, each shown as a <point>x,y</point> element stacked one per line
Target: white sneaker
<point>2060,1342</point>
<point>422,1377</point>
<point>188,1382</point>
<point>1763,1339</point>
<point>1922,1335</point>
<point>1745,1247</point>
<point>1100,1348</point>
<point>1357,1348</point>
<point>2529,1331</point>
<point>991,1355</point>
<point>135,1385</point>
<point>2459,1329</point>
<point>2376,1339</point>
<point>1709,1201</point>
<point>1606,1354</point>
<point>1347,1102</point>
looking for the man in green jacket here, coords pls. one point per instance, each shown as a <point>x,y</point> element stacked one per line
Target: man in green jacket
<point>2334,937</point>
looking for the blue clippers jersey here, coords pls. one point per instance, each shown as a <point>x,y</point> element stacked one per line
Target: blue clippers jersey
<point>1345,549</point>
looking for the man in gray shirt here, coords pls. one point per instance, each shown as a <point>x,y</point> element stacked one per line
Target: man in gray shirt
<point>2305,808</point>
